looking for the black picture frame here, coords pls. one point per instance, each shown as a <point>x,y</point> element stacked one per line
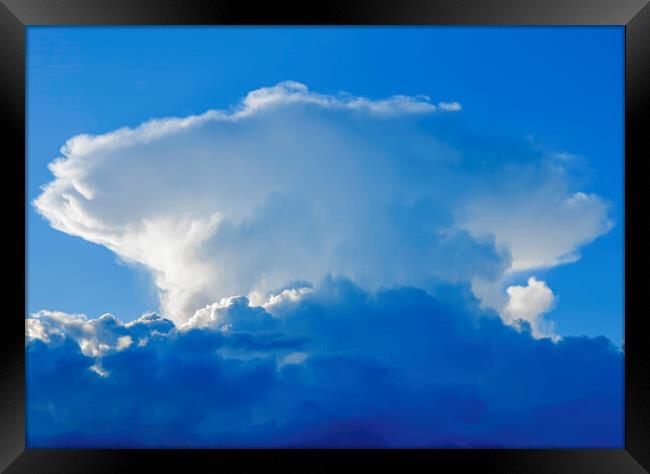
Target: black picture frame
<point>634,15</point>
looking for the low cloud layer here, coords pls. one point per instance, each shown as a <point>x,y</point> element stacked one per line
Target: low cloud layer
<point>323,367</point>
<point>290,184</point>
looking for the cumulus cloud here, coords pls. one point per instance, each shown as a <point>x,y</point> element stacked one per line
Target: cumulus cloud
<point>528,304</point>
<point>337,366</point>
<point>95,336</point>
<point>293,184</point>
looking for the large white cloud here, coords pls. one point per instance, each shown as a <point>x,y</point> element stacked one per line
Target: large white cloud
<point>293,185</point>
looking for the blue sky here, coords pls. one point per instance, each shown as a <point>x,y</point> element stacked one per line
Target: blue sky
<point>296,203</point>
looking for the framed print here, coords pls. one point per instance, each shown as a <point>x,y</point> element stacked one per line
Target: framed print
<point>404,233</point>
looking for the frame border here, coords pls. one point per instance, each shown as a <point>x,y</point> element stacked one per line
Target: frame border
<point>16,15</point>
